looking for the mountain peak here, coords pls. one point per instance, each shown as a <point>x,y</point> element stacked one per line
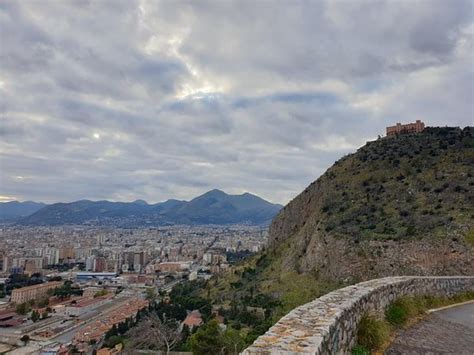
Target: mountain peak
<point>215,192</point>
<point>140,202</point>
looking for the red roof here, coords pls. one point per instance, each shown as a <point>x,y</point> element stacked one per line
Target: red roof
<point>193,319</point>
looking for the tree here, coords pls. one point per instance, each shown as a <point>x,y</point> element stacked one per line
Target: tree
<point>154,333</point>
<point>123,327</point>
<point>25,339</point>
<point>150,294</point>
<point>101,293</point>
<point>208,339</point>
<point>43,302</point>
<point>56,278</point>
<point>111,332</point>
<point>23,308</point>
<point>233,342</point>
<point>35,316</point>
<point>185,333</point>
<point>44,315</point>
<point>113,340</point>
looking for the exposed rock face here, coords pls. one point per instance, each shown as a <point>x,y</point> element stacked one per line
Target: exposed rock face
<point>397,206</point>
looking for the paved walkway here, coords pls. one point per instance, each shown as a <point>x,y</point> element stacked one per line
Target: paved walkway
<point>450,331</point>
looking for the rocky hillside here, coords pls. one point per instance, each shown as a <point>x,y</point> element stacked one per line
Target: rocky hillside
<point>401,205</point>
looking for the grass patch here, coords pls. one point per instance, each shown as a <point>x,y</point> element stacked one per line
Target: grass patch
<point>371,333</point>
<point>360,350</point>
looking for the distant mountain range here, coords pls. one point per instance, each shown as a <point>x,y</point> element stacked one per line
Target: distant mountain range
<point>14,209</point>
<point>213,207</point>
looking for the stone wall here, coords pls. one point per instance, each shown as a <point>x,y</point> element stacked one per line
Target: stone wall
<point>328,325</point>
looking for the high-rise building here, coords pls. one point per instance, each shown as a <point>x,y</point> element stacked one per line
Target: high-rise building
<point>101,238</point>
<point>52,254</point>
<point>100,264</point>
<point>66,253</point>
<point>90,263</point>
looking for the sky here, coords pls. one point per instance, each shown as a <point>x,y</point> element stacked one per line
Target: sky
<point>126,100</point>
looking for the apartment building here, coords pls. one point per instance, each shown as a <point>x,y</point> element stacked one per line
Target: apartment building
<point>28,293</point>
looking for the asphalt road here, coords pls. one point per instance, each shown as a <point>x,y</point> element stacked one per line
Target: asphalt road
<point>461,314</point>
<point>449,331</point>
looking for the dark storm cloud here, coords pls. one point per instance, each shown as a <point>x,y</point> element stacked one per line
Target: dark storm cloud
<point>139,99</point>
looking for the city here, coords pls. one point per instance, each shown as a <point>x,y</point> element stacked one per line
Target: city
<point>105,274</point>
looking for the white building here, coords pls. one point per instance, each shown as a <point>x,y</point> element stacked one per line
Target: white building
<point>52,254</point>
<point>90,263</point>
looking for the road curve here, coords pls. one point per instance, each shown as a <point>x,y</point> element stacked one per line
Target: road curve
<point>448,331</point>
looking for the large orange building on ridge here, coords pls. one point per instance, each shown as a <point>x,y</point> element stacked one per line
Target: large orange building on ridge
<point>399,128</point>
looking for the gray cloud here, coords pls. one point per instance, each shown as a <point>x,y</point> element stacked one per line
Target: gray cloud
<point>135,99</point>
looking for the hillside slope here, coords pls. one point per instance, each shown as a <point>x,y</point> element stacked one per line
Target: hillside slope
<point>398,206</point>
<point>401,205</point>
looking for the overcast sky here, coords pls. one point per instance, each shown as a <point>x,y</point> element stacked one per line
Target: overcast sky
<point>126,100</point>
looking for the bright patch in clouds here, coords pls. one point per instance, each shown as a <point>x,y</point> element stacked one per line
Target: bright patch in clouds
<point>7,198</point>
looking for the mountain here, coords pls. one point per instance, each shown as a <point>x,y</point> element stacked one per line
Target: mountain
<point>14,209</point>
<point>213,207</point>
<point>84,211</point>
<point>398,206</point>
<point>216,207</point>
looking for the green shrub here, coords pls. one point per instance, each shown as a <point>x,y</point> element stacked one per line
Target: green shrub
<point>360,350</point>
<point>371,332</point>
<point>404,308</point>
<point>398,312</point>
<point>396,315</point>
<point>23,308</point>
<point>113,340</point>
<point>469,238</point>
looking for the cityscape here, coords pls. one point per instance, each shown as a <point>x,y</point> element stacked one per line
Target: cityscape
<point>110,272</point>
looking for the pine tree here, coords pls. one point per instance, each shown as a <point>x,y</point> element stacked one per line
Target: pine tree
<point>35,316</point>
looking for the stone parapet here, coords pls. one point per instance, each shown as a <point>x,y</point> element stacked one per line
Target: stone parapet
<point>328,325</point>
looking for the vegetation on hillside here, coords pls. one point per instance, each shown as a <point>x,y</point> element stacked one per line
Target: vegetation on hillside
<point>411,194</point>
<point>407,189</point>
<point>409,186</point>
